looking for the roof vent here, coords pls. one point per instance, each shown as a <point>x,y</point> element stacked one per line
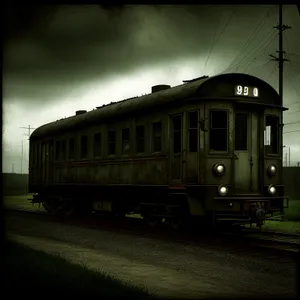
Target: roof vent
<point>160,87</point>
<point>80,112</point>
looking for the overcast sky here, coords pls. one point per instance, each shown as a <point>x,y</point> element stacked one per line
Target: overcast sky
<point>60,59</point>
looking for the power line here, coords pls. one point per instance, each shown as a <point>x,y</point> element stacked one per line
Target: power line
<point>258,52</point>
<point>289,123</point>
<point>215,41</point>
<point>251,37</point>
<point>297,130</point>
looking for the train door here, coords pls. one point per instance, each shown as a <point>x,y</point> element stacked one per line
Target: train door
<point>176,147</point>
<point>246,148</point>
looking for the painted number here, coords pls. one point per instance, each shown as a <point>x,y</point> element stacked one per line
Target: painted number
<point>242,90</point>
<point>255,92</point>
<point>239,90</point>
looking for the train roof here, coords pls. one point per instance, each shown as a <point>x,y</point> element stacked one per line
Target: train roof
<point>216,87</point>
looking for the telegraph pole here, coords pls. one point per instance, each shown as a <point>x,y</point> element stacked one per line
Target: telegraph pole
<point>22,158</point>
<point>29,130</point>
<point>280,27</point>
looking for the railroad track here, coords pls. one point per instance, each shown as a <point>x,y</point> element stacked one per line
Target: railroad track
<point>244,241</point>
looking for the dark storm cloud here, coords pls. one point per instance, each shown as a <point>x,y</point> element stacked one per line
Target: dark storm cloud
<point>49,51</point>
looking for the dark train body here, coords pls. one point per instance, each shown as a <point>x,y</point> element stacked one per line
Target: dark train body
<point>209,149</point>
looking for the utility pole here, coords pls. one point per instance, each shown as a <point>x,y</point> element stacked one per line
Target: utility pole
<point>286,159</point>
<point>22,158</point>
<point>280,27</point>
<point>289,156</point>
<point>29,130</point>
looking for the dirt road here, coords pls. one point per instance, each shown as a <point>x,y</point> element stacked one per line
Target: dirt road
<point>166,268</point>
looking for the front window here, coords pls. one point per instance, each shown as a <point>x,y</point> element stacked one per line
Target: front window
<point>271,135</point>
<point>218,130</point>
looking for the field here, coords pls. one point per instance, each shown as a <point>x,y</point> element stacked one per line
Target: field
<point>31,268</point>
<point>290,224</point>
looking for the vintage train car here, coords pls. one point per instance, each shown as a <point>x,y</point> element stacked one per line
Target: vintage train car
<point>207,150</point>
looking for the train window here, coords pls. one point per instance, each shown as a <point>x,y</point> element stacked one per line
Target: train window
<point>57,150</point>
<point>111,137</point>
<point>193,131</point>
<point>157,136</point>
<point>140,139</point>
<point>177,134</point>
<point>84,146</point>
<point>97,144</point>
<point>63,150</point>
<point>218,130</point>
<point>271,141</point>
<point>241,131</point>
<point>71,148</point>
<point>125,140</point>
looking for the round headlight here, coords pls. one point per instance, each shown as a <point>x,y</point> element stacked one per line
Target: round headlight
<point>219,169</point>
<point>272,170</point>
<point>272,189</point>
<point>223,190</point>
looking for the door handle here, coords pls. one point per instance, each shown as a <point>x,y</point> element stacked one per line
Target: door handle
<point>235,156</point>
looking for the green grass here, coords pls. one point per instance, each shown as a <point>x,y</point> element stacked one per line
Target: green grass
<point>286,226</point>
<point>30,271</point>
<point>293,212</point>
<point>20,201</point>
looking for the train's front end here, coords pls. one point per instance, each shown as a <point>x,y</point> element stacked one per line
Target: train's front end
<point>244,151</point>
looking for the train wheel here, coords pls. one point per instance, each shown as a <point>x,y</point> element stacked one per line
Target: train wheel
<point>153,221</point>
<point>49,208</point>
<point>177,223</point>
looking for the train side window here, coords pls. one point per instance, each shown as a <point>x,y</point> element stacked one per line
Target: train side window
<point>140,139</point>
<point>193,131</point>
<point>157,136</point>
<point>63,150</point>
<point>241,131</point>
<point>271,135</point>
<point>111,137</point>
<point>57,150</point>
<point>71,148</point>
<point>218,130</point>
<point>97,144</point>
<point>84,146</point>
<point>125,140</point>
<point>177,134</point>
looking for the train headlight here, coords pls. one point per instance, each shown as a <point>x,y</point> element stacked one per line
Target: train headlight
<point>272,170</point>
<point>219,169</point>
<point>272,189</point>
<point>223,190</point>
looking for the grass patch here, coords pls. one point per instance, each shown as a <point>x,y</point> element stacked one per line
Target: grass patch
<point>21,201</point>
<point>293,212</point>
<point>30,271</point>
<point>286,226</point>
